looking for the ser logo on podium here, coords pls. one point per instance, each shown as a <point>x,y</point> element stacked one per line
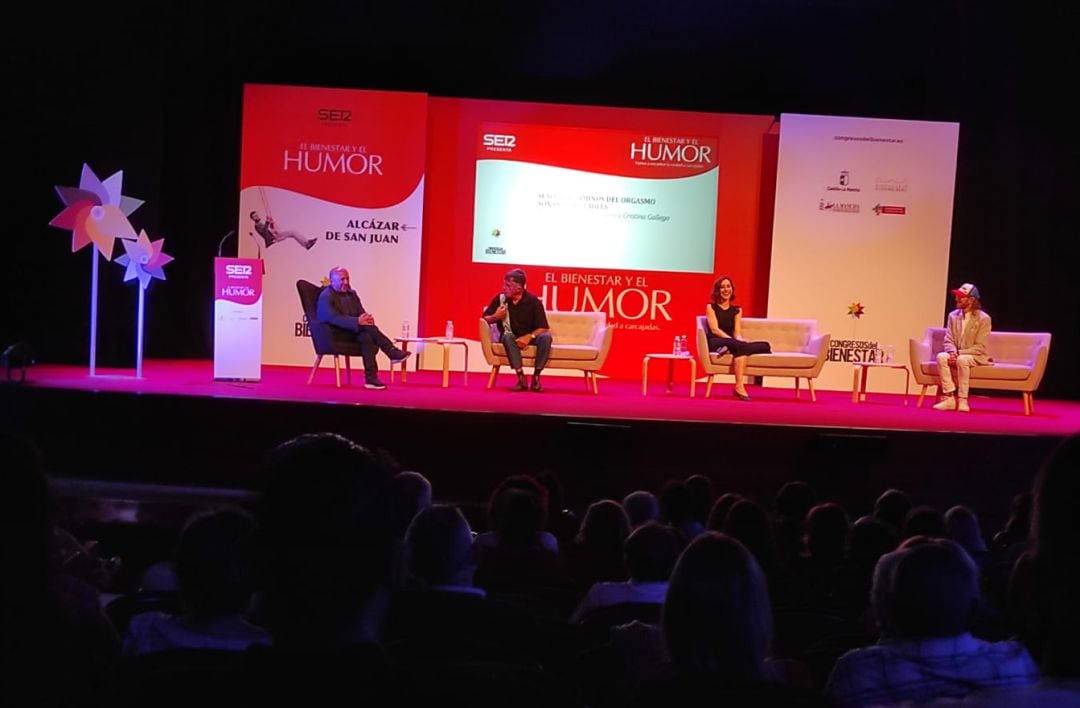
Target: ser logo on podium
<point>234,270</point>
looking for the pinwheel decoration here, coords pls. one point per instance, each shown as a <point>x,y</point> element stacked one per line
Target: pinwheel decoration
<point>144,260</point>
<point>96,212</point>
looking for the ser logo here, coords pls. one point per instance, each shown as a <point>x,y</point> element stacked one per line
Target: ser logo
<point>336,115</point>
<point>495,140</point>
<point>239,270</point>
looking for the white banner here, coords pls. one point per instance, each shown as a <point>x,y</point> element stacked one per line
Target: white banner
<point>861,235</point>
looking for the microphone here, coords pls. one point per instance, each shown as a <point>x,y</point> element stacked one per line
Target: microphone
<point>222,241</point>
<point>506,317</point>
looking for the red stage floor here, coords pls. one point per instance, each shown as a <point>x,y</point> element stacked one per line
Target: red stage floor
<point>567,397</point>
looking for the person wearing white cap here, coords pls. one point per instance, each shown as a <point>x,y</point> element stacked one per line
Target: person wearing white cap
<point>966,333</point>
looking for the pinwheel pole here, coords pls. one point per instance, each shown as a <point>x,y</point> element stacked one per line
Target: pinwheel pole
<point>93,309</point>
<point>96,212</point>
<point>143,259</point>
<point>139,339</point>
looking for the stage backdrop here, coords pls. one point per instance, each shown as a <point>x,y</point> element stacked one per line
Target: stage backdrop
<point>863,223</point>
<point>626,211</point>
<point>341,173</point>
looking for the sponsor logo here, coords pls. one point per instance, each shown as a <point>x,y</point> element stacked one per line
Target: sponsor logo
<point>238,271</point>
<point>498,142</point>
<point>880,209</point>
<point>671,152</point>
<point>853,350</point>
<point>843,183</point>
<point>495,250</point>
<point>335,115</point>
<point>890,184</point>
<point>237,291</point>
<point>842,207</point>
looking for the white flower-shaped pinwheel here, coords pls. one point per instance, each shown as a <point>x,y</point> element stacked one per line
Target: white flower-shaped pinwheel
<point>144,259</point>
<point>96,212</point>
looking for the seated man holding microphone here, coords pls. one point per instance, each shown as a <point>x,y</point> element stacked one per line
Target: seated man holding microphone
<point>522,321</point>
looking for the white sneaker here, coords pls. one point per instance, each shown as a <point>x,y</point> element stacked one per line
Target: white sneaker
<point>947,404</point>
<point>963,406</point>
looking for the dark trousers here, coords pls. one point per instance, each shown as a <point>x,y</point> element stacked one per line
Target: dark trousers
<point>737,347</point>
<point>543,350</point>
<point>372,341</point>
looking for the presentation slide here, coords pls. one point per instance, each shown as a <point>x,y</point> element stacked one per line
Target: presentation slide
<point>593,198</point>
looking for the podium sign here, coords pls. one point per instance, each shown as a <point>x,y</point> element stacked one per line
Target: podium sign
<point>238,319</point>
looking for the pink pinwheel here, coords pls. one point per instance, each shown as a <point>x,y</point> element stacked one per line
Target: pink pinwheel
<point>144,259</point>
<point>96,212</point>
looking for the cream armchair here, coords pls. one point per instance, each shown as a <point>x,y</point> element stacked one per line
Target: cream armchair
<point>798,351</point>
<point>580,340</point>
<point>1019,362</point>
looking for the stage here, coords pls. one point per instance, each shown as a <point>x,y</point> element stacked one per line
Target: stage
<point>177,426</point>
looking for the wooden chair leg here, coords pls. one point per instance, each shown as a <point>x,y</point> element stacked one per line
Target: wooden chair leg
<point>494,373</point>
<point>813,394</point>
<point>797,392</point>
<point>587,387</point>
<point>1029,403</point>
<point>348,371</point>
<point>922,394</point>
<point>337,370</point>
<point>595,384</point>
<point>708,386</point>
<point>318,360</point>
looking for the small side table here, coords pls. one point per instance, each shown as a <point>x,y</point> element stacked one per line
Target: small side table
<point>446,344</point>
<point>862,368</point>
<point>404,343</point>
<point>671,359</point>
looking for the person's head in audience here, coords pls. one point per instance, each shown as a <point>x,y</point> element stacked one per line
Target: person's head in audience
<point>720,508</point>
<point>749,523</point>
<point>1056,535</point>
<point>925,521</point>
<point>439,547</point>
<point>716,618</point>
<point>794,501</point>
<point>214,561</point>
<point>641,507</point>
<point>928,588</point>
<point>412,494</point>
<point>964,528</point>
<point>1018,525</point>
<point>517,511</point>
<point>868,540</point>
<point>327,530</point>
<point>891,508</point>
<point>701,496</point>
<point>605,527</point>
<point>827,527</point>
<point>553,486</point>
<point>675,503</point>
<point>651,552</point>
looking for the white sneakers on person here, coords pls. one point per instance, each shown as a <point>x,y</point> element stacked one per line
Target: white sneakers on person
<point>948,404</point>
<point>963,406</point>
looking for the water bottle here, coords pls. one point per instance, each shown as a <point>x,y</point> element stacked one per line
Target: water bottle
<point>405,329</point>
<point>675,346</point>
<point>682,346</point>
<point>889,354</point>
<point>449,329</point>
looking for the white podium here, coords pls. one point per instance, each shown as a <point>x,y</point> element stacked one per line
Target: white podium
<point>238,319</point>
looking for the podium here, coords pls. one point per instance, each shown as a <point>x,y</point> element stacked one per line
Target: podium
<point>238,319</point>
